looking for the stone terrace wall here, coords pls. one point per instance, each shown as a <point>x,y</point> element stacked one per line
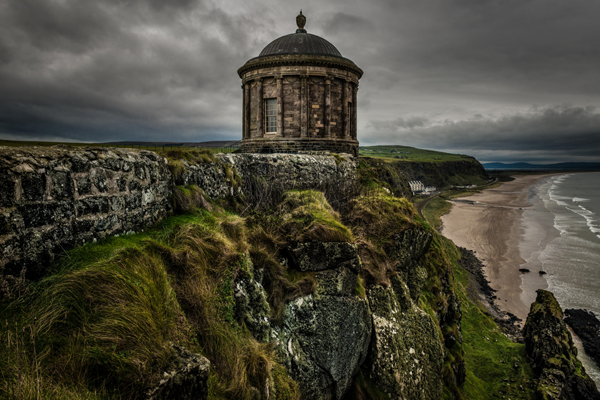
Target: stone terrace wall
<point>291,171</point>
<point>55,198</point>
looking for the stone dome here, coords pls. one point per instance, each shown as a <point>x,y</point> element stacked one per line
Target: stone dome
<point>300,43</point>
<point>299,96</point>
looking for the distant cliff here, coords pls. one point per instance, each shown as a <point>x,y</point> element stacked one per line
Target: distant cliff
<point>435,173</point>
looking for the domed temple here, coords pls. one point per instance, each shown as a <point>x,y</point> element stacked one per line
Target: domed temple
<point>299,96</point>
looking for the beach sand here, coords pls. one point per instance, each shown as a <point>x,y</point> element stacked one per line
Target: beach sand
<point>492,224</point>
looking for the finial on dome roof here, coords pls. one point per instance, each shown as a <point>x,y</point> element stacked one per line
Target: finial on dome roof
<point>301,21</point>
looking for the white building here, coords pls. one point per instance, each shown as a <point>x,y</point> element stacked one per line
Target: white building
<point>416,186</point>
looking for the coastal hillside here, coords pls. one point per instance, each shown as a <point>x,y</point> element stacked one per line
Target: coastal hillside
<point>273,277</point>
<point>433,168</point>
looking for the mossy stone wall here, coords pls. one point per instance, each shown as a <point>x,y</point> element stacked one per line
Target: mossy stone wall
<point>54,199</point>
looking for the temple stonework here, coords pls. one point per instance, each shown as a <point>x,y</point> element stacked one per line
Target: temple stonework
<point>300,95</point>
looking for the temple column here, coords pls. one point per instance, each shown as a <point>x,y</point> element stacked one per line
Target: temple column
<point>303,107</point>
<point>246,112</point>
<point>279,106</point>
<point>345,116</point>
<point>354,132</point>
<point>327,115</point>
<point>259,108</point>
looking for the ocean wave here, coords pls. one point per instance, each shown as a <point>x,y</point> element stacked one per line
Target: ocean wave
<point>580,200</point>
<point>590,220</point>
<point>554,196</point>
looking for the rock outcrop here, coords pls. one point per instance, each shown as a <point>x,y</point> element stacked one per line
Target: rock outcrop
<point>325,336</point>
<point>251,305</point>
<point>405,356</point>
<point>552,354</point>
<point>186,379</point>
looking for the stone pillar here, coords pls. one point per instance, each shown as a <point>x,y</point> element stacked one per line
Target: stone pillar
<point>354,116</point>
<point>345,117</point>
<point>303,106</point>
<point>279,106</point>
<point>327,115</point>
<point>246,112</point>
<point>259,108</point>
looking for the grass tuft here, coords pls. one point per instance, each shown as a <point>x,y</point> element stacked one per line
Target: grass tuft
<point>191,156</point>
<point>307,216</point>
<point>187,198</point>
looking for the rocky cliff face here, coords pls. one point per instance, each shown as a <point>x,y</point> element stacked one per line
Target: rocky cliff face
<point>327,336</point>
<point>405,357</point>
<point>553,355</point>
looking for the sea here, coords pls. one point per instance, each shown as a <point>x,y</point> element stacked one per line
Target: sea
<point>561,233</point>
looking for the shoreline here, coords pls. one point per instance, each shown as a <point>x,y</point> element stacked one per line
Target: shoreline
<point>497,226</point>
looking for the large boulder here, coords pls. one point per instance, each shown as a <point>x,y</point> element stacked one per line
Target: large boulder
<point>405,357</point>
<point>324,337</point>
<point>552,354</point>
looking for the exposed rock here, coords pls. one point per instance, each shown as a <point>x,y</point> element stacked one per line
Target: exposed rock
<point>405,356</point>
<point>325,336</point>
<point>323,341</point>
<point>251,306</point>
<point>552,354</point>
<point>587,326</point>
<point>409,246</point>
<point>318,256</point>
<point>186,379</point>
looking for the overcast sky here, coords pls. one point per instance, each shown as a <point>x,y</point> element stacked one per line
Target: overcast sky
<point>505,80</point>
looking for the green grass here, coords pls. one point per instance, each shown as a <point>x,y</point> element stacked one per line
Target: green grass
<point>307,216</point>
<point>101,324</point>
<point>490,356</point>
<point>410,154</point>
<point>141,146</point>
<point>433,211</point>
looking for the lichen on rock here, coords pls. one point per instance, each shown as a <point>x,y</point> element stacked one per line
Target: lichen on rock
<point>186,379</point>
<point>324,337</point>
<point>553,356</point>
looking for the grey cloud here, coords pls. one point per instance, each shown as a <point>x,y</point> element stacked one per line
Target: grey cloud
<point>554,133</point>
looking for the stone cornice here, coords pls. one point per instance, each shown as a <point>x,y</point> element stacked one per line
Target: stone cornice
<point>297,60</point>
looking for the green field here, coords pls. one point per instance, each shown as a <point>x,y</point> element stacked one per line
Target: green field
<point>407,153</point>
<point>149,146</point>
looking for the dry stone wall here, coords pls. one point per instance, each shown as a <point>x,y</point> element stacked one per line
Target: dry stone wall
<point>53,199</point>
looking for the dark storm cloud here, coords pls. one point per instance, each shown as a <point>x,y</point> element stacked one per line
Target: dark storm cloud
<point>458,75</point>
<point>561,133</point>
<point>104,70</point>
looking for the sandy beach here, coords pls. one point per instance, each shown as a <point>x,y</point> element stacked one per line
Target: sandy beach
<point>491,223</point>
